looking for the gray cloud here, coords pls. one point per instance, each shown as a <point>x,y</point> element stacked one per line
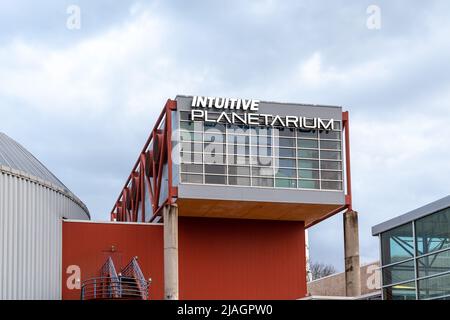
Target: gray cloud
<point>84,101</point>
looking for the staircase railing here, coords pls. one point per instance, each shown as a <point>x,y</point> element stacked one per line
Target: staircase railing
<point>132,270</point>
<point>129,284</point>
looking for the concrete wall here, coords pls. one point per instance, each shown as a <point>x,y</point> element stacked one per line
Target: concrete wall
<point>334,285</point>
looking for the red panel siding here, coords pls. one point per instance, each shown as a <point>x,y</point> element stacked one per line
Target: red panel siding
<point>241,259</point>
<point>87,245</point>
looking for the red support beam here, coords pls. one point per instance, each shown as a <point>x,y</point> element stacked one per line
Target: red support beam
<point>148,171</point>
<point>346,130</point>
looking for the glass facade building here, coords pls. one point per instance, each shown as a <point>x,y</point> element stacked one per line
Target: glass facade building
<point>266,157</point>
<point>415,253</point>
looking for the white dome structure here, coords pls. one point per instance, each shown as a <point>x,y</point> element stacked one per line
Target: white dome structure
<point>33,203</point>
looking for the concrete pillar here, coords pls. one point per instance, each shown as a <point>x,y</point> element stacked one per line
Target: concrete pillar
<point>170,216</point>
<point>351,252</point>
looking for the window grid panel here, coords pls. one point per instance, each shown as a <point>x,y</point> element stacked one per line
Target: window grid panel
<point>329,157</point>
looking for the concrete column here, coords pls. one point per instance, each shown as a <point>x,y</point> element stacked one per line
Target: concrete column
<point>170,216</point>
<point>351,252</point>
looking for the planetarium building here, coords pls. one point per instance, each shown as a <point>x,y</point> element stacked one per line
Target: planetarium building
<point>33,203</point>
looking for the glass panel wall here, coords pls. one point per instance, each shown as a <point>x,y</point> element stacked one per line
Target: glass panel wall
<point>275,157</point>
<point>433,232</point>
<point>397,244</point>
<point>416,259</point>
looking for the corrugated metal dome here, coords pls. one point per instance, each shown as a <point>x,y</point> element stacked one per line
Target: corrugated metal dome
<point>33,204</point>
<point>16,157</point>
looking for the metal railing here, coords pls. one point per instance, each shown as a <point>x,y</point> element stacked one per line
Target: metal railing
<point>105,288</point>
<point>130,284</point>
<point>132,270</point>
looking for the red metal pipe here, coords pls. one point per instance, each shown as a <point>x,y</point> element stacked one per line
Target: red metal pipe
<point>346,128</point>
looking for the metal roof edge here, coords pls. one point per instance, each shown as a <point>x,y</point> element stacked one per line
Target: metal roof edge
<point>415,214</point>
<point>45,183</point>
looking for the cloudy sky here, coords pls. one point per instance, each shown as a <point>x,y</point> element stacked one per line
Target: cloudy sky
<point>84,100</point>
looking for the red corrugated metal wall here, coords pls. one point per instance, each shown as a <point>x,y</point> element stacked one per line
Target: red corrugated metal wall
<point>87,245</point>
<point>241,259</point>
<point>218,258</point>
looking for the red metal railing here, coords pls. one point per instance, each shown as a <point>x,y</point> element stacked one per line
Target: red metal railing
<point>145,179</point>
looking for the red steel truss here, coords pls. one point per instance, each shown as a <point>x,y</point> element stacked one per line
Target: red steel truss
<point>147,174</point>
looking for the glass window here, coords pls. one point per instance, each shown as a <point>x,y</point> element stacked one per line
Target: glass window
<point>331,165</point>
<point>405,291</point>
<point>237,170</point>
<point>215,179</point>
<point>397,244</point>
<point>308,164</point>
<point>314,154</point>
<point>334,135</point>
<point>191,178</point>
<point>284,132</point>
<point>214,147</point>
<point>214,137</point>
<point>239,181</point>
<point>264,151</point>
<point>285,152</point>
<point>308,143</point>
<point>307,133</point>
<point>263,171</point>
<point>285,183</point>
<point>191,147</point>
<point>286,173</point>
<point>262,141</point>
<point>331,185</point>
<point>261,131</point>
<point>328,144</point>
<point>285,142</point>
<point>434,264</point>
<point>434,287</point>
<point>334,155</point>
<point>433,232</point>
<point>238,139</point>
<point>262,182</point>
<point>331,175</point>
<point>214,125</point>
<point>286,163</point>
<point>308,174</point>
<point>337,125</point>
<point>194,168</point>
<point>239,160</point>
<point>261,161</point>
<point>191,125</point>
<point>213,158</point>
<point>398,273</point>
<point>239,149</point>
<point>191,136</point>
<point>215,169</point>
<point>308,184</point>
<point>185,115</point>
<point>238,129</point>
<point>188,157</point>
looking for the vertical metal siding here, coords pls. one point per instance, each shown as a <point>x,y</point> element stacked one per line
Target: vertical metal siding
<point>30,238</point>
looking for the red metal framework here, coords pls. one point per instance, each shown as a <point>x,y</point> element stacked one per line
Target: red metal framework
<point>145,179</point>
